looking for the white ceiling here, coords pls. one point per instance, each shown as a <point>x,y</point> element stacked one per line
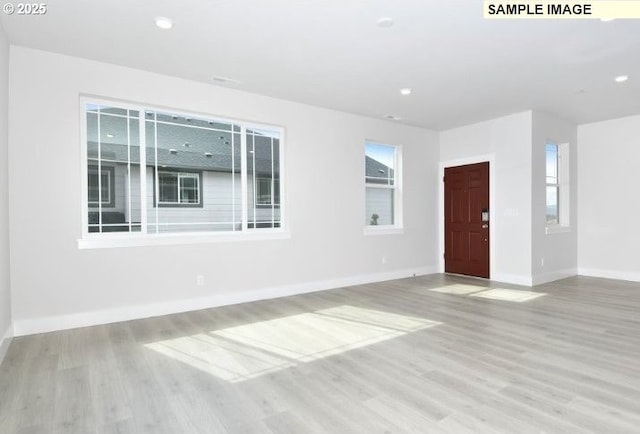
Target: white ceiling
<point>330,53</point>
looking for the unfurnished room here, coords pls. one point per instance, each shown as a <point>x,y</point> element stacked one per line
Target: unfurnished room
<point>303,216</point>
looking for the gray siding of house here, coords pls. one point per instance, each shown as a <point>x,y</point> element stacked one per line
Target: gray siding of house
<point>217,206</point>
<point>217,211</point>
<point>379,201</point>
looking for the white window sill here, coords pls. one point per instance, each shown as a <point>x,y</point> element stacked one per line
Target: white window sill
<point>105,241</point>
<point>557,229</point>
<point>383,230</point>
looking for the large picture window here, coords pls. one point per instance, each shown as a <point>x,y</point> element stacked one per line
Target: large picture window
<point>382,191</point>
<point>152,171</point>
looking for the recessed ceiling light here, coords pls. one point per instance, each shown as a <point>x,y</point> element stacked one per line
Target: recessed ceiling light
<point>224,80</point>
<point>621,78</point>
<point>111,136</point>
<point>385,22</point>
<point>173,151</point>
<point>392,117</point>
<point>607,20</point>
<point>164,23</point>
<point>405,91</point>
<point>208,154</point>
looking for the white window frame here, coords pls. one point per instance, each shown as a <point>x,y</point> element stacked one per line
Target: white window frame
<point>397,226</point>
<point>563,185</point>
<point>90,240</point>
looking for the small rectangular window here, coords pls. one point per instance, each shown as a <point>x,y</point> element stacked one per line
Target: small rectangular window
<point>268,192</point>
<point>100,188</point>
<point>178,188</point>
<point>381,184</point>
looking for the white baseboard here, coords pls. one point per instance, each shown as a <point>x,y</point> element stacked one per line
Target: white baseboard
<point>4,343</point>
<point>514,279</point>
<point>632,276</point>
<point>22,327</point>
<point>554,275</point>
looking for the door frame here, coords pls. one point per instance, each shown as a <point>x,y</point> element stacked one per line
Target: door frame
<point>493,215</point>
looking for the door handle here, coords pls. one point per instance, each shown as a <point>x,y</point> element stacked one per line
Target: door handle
<point>485,226</point>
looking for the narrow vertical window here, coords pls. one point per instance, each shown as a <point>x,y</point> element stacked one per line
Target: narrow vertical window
<point>100,191</point>
<point>381,184</point>
<point>558,185</point>
<point>553,185</point>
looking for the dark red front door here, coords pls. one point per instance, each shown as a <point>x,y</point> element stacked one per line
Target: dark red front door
<point>466,214</point>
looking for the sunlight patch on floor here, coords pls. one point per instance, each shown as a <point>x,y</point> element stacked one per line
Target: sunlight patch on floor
<point>458,289</point>
<point>248,351</point>
<point>509,295</point>
<point>226,360</point>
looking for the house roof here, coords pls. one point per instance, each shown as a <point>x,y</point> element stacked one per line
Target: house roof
<point>376,172</point>
<point>220,160</point>
<point>194,144</point>
<point>190,143</point>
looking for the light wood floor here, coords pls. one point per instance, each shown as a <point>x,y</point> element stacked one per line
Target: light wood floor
<point>391,357</point>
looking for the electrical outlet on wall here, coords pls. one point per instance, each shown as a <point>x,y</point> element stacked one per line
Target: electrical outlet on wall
<point>384,259</point>
<point>200,280</point>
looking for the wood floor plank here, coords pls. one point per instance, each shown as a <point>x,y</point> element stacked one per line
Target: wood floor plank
<point>73,410</point>
<point>345,361</point>
<point>288,422</point>
<point>404,417</point>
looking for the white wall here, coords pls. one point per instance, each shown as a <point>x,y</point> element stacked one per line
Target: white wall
<point>5,293</point>
<point>507,141</point>
<point>554,255</point>
<point>608,200</point>
<point>56,285</point>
